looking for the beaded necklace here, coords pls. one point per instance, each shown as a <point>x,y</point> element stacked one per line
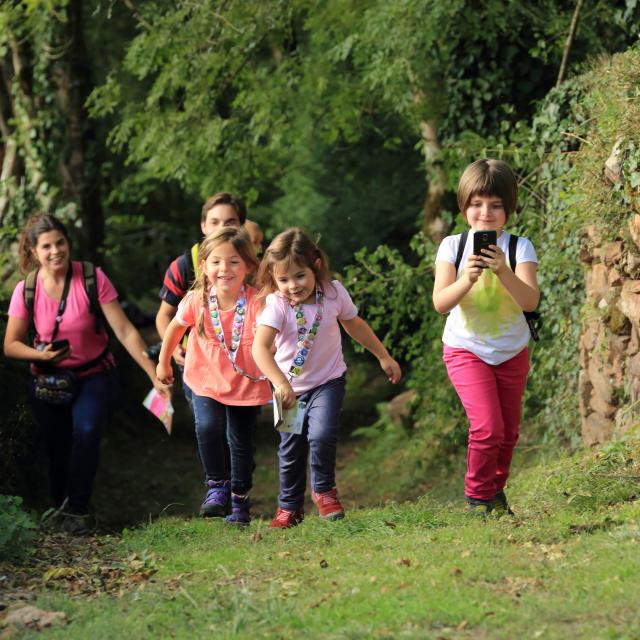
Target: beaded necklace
<point>306,339</point>
<point>236,330</point>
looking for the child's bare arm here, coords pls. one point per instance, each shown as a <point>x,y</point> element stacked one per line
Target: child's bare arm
<point>522,285</point>
<point>262,351</point>
<point>362,333</point>
<point>447,291</point>
<point>172,337</point>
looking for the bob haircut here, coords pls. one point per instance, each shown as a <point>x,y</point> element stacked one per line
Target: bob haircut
<point>225,198</point>
<point>488,177</point>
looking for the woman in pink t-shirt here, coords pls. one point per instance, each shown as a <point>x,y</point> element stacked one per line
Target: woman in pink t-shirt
<point>70,338</point>
<point>303,313</point>
<point>219,369</point>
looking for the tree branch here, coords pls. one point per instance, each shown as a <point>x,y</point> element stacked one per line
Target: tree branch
<point>569,43</point>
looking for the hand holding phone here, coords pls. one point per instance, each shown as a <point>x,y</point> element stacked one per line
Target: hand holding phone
<point>56,345</point>
<point>483,240</point>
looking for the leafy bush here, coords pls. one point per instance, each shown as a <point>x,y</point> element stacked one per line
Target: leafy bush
<point>559,158</point>
<point>17,529</point>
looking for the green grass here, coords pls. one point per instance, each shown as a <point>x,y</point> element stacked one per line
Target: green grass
<point>568,566</point>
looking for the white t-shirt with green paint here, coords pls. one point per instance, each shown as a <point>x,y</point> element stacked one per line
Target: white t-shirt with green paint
<point>487,321</point>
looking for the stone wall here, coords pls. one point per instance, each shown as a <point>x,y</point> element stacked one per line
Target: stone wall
<point>610,341</point>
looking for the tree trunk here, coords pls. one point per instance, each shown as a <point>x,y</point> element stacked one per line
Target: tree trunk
<point>79,166</point>
<point>432,224</point>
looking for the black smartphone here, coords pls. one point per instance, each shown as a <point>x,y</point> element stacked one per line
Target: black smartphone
<point>482,240</point>
<point>56,345</point>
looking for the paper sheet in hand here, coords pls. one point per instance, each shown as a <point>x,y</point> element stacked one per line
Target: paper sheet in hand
<point>161,408</point>
<point>287,420</point>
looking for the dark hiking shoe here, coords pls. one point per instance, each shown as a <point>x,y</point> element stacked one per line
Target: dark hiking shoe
<point>501,506</point>
<point>477,507</point>
<point>239,510</point>
<point>216,502</point>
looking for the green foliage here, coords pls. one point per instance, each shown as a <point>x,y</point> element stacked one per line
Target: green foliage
<point>17,529</point>
<point>311,109</point>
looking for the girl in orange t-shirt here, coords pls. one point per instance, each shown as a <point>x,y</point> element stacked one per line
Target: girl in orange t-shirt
<point>219,368</point>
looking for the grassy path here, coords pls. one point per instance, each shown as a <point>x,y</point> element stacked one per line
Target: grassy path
<point>568,566</point>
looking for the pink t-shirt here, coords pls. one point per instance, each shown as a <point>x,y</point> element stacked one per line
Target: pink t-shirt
<point>324,361</point>
<point>207,369</point>
<point>77,324</point>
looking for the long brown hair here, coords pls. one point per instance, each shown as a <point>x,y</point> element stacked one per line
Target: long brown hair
<point>292,246</point>
<point>37,224</point>
<point>241,242</point>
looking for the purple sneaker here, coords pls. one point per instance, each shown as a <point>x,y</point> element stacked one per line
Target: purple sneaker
<point>239,510</point>
<point>216,502</point>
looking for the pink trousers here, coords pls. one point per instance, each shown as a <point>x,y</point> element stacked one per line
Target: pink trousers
<point>492,399</point>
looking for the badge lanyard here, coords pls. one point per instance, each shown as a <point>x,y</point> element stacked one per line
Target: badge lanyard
<point>305,339</point>
<point>236,330</point>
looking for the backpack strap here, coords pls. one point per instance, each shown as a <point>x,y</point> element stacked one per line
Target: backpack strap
<point>513,246</point>
<point>91,288</point>
<point>29,297</point>
<point>463,243</point>
<point>532,317</point>
<point>194,260</point>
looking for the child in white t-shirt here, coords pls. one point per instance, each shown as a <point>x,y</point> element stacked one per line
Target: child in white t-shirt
<point>486,334</point>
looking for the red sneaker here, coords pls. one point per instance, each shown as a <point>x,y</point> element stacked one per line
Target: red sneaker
<point>286,519</point>
<point>328,504</point>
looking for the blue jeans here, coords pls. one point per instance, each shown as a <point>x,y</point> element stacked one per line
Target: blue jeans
<point>318,441</point>
<point>188,394</point>
<point>72,433</point>
<point>217,423</point>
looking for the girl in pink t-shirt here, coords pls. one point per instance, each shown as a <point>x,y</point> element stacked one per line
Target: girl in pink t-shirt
<point>303,313</point>
<point>219,369</point>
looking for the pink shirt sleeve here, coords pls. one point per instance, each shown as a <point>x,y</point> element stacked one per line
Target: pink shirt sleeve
<point>188,310</point>
<point>106,291</point>
<point>273,314</point>
<point>17,308</point>
<point>347,310</point>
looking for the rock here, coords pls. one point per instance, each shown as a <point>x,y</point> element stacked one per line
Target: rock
<point>589,337</point>
<point>614,278</point>
<point>618,367</point>
<point>633,366</point>
<point>32,617</point>
<point>629,302</point>
<point>596,429</point>
<point>398,407</point>
<point>585,254</point>
<point>612,169</point>
<point>584,393</point>
<point>624,421</point>
<point>593,233</point>
<point>633,263</point>
<point>601,407</point>
<point>618,322</point>
<point>634,342</point>
<point>599,281</point>
<point>634,229</point>
<point>618,346</point>
<point>600,378</point>
<point>612,252</point>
